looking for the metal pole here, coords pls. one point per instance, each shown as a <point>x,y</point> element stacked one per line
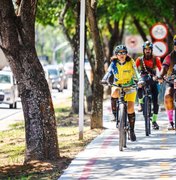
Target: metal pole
<point>81,67</point>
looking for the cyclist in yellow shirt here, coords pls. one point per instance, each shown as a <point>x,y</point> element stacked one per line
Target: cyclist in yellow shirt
<point>124,70</point>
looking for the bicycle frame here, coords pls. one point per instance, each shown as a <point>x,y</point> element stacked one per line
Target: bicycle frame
<point>122,117</point>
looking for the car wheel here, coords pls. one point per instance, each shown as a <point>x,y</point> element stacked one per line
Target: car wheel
<point>11,106</point>
<point>15,105</point>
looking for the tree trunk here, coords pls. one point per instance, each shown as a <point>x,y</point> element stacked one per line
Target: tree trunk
<point>74,42</point>
<point>140,29</point>
<point>97,114</point>
<point>18,44</point>
<point>75,84</point>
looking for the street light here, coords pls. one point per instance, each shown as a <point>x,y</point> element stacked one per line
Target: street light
<point>81,67</point>
<point>60,46</point>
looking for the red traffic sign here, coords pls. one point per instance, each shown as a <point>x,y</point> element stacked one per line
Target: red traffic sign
<point>159,31</point>
<point>160,48</point>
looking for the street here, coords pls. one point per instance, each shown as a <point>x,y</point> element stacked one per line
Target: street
<point>11,116</point>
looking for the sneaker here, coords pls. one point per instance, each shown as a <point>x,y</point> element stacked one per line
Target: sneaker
<point>171,126</point>
<point>155,125</point>
<point>117,124</point>
<point>132,135</point>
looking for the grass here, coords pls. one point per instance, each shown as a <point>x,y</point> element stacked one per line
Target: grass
<point>12,147</point>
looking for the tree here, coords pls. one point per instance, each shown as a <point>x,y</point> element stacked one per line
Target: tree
<point>98,71</point>
<point>17,40</point>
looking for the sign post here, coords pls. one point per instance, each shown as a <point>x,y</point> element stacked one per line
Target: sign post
<point>159,32</point>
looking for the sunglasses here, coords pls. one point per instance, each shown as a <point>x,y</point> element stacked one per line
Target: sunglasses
<point>121,53</point>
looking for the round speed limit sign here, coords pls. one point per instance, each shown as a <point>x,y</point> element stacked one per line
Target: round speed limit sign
<point>159,31</point>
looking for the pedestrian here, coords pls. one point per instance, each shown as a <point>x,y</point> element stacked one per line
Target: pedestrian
<point>169,68</point>
<point>124,71</point>
<point>147,66</point>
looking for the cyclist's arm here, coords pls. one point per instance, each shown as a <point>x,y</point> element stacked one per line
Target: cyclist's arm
<point>158,64</point>
<point>108,73</point>
<point>138,63</point>
<point>165,66</point>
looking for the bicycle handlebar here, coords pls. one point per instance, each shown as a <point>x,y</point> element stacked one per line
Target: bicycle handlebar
<point>121,86</point>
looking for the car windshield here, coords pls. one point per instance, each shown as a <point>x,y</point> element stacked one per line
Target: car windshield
<point>4,78</point>
<point>54,72</point>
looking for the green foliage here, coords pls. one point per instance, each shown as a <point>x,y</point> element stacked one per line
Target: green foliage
<point>48,11</point>
<point>47,41</point>
<point>147,12</point>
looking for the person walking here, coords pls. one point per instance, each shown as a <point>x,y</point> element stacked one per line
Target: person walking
<point>147,66</point>
<point>124,71</point>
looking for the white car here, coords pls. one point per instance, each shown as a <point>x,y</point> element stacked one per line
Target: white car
<point>8,89</point>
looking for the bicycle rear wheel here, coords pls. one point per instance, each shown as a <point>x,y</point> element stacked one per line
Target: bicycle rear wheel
<point>146,115</point>
<point>150,113</point>
<point>122,132</point>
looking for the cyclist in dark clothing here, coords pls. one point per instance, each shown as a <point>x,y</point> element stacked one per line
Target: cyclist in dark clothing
<point>147,65</point>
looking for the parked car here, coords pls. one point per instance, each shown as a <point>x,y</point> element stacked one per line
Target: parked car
<point>8,89</point>
<point>55,76</point>
<point>63,75</point>
<point>48,78</point>
<point>68,67</point>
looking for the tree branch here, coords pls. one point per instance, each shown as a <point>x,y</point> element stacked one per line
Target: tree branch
<point>27,13</point>
<point>61,22</point>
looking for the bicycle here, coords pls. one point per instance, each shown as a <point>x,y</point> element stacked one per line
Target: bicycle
<point>121,111</point>
<point>147,106</point>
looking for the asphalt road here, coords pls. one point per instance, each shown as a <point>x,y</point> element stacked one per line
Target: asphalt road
<point>11,116</point>
<point>152,157</point>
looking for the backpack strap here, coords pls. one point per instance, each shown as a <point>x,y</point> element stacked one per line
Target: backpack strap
<point>142,64</point>
<point>154,62</point>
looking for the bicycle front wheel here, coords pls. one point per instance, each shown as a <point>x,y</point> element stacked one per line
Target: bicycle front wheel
<point>122,131</point>
<point>146,115</point>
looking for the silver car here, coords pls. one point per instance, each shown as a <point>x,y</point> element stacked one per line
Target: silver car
<point>8,89</point>
<point>55,77</point>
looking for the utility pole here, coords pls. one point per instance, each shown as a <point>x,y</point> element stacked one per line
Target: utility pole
<point>81,67</point>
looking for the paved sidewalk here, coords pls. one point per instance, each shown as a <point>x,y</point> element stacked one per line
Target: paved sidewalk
<point>152,157</point>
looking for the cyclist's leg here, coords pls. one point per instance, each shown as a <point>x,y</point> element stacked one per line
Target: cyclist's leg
<point>113,106</point>
<point>154,92</point>
<point>169,105</point>
<point>130,98</point>
<point>140,98</point>
<point>114,99</point>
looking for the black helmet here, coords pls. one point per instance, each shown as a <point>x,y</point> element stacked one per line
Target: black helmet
<point>120,48</point>
<point>147,44</point>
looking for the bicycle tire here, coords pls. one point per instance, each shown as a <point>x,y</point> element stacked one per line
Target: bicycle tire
<point>122,132</point>
<point>146,116</point>
<point>150,113</point>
